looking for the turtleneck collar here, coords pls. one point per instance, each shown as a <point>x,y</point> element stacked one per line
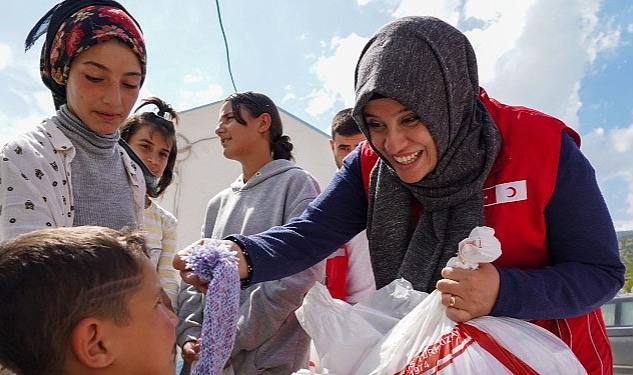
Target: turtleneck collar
<point>83,137</point>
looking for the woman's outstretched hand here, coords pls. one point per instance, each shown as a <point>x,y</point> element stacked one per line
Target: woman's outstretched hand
<point>180,263</point>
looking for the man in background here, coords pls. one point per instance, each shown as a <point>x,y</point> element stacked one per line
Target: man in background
<point>348,274</point>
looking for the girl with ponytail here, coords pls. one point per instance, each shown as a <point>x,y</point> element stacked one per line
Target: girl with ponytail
<point>152,138</point>
<point>270,191</point>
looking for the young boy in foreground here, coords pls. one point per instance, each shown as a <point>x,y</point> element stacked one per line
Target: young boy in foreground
<point>82,300</point>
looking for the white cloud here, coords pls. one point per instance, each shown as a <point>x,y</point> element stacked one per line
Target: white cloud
<point>610,153</point>
<point>39,106</point>
<point>570,114</point>
<point>446,10</point>
<point>4,137</point>
<point>627,224</point>
<point>29,62</point>
<point>6,55</point>
<point>594,145</point>
<point>602,42</point>
<point>18,125</point>
<point>336,74</point>
<point>193,98</point>
<point>289,95</point>
<point>501,27</point>
<point>44,102</point>
<point>192,78</point>
<point>320,102</point>
<point>495,9</point>
<point>549,59</point>
<point>622,140</point>
<point>533,52</point>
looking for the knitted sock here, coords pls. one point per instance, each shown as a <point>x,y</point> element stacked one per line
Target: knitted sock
<point>215,262</point>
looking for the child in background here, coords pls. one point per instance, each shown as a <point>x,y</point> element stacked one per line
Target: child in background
<point>152,137</point>
<point>270,191</point>
<point>348,272</point>
<point>77,300</point>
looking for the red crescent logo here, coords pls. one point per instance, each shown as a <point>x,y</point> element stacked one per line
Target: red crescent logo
<point>513,192</point>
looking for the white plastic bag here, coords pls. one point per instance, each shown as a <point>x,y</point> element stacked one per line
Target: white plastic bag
<point>344,334</point>
<point>426,341</point>
<point>394,334</point>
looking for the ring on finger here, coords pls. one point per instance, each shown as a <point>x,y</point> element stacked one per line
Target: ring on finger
<point>451,301</point>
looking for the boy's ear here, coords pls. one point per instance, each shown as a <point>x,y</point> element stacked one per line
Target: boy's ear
<point>90,343</point>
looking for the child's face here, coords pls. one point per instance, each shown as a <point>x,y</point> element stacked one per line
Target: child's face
<point>239,141</point>
<point>152,148</point>
<point>146,344</point>
<point>103,84</point>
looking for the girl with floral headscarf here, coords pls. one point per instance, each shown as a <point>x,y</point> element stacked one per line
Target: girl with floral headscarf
<point>70,170</point>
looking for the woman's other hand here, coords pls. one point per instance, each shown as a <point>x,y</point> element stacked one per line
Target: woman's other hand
<point>469,294</point>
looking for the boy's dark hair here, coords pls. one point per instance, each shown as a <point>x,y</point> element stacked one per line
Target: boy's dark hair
<point>164,121</point>
<point>344,124</point>
<point>51,279</point>
<point>257,103</point>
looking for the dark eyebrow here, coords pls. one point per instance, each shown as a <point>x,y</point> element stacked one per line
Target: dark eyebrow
<point>403,110</point>
<point>146,140</point>
<point>105,68</point>
<point>226,114</point>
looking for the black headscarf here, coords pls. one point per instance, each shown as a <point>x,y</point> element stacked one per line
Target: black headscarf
<point>429,67</point>
<point>73,26</point>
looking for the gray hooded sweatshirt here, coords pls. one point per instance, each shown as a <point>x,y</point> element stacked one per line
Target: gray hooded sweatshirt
<point>269,338</point>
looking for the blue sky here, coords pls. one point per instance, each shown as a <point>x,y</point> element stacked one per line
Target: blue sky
<point>568,58</point>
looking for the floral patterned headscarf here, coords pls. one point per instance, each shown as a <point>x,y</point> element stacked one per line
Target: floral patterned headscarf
<point>73,26</point>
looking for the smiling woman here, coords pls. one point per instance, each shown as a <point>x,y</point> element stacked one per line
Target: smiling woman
<point>437,146</point>
<point>389,120</point>
<point>70,170</point>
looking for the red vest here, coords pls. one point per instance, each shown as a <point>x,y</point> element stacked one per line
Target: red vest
<point>515,195</point>
<point>336,269</point>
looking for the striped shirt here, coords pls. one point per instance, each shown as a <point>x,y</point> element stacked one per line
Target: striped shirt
<point>159,226</point>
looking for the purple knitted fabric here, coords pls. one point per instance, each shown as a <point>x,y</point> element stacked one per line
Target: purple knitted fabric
<point>215,262</point>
